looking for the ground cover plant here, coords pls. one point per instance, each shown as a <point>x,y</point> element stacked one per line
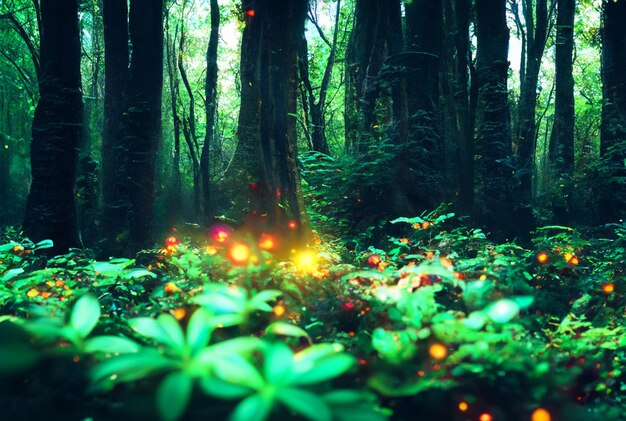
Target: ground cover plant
<point>442,319</point>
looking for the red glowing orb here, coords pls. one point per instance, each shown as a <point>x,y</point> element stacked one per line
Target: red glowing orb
<point>220,234</point>
<point>250,12</point>
<point>172,241</point>
<point>267,242</point>
<point>374,260</point>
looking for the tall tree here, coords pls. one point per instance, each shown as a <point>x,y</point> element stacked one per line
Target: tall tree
<point>537,16</point>
<point>613,127</point>
<point>210,97</point>
<point>116,60</point>
<point>140,127</point>
<point>458,118</point>
<point>562,138</point>
<point>266,154</point>
<point>494,130</point>
<point>317,107</point>
<point>51,205</point>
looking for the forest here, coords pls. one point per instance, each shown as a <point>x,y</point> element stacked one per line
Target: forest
<point>325,210</point>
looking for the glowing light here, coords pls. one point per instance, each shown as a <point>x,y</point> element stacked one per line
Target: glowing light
<point>574,261</point>
<point>292,224</point>
<point>438,351</point>
<point>172,241</point>
<point>426,225</point>
<point>542,257</point>
<point>211,250</point>
<point>179,313</point>
<point>485,417</point>
<point>608,288</point>
<point>279,310</point>
<point>267,242</point>
<point>171,288</point>
<point>239,254</point>
<point>306,261</point>
<point>220,234</point>
<point>404,240</point>
<point>568,257</point>
<point>250,12</point>
<point>32,293</point>
<point>445,262</point>
<point>417,226</point>
<point>430,255</point>
<point>463,406</point>
<point>540,414</point>
<point>374,260</point>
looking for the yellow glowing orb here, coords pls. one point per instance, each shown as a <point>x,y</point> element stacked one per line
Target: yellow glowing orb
<point>463,406</point>
<point>542,257</point>
<point>239,254</point>
<point>279,310</point>
<point>306,261</point>
<point>485,417</point>
<point>438,351</point>
<point>540,414</point>
<point>608,288</point>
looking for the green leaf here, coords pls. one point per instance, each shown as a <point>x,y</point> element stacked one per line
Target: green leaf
<point>253,408</point>
<point>278,363</point>
<point>209,356</point>
<point>172,328</point>
<point>224,390</point>
<point>131,367</point>
<point>305,403</point>
<point>198,331</point>
<point>237,370</point>
<point>319,363</point>
<point>502,311</point>
<point>151,329</point>
<point>44,244</point>
<point>11,273</point>
<point>286,329</point>
<point>173,395</point>
<point>137,273</point>
<point>111,345</point>
<point>259,301</point>
<point>85,315</point>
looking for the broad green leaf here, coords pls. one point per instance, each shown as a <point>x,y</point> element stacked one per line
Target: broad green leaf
<point>348,397</point>
<point>172,328</point>
<point>111,345</point>
<point>137,273</point>
<point>237,370</point>
<point>323,369</point>
<point>11,273</point>
<point>44,244</point>
<point>173,395</point>
<point>131,367</point>
<point>198,331</point>
<point>85,315</point>
<point>253,408</point>
<point>305,403</point>
<point>151,329</point>
<point>224,390</point>
<point>277,366</point>
<point>209,356</point>
<point>476,320</point>
<point>259,301</point>
<point>286,329</point>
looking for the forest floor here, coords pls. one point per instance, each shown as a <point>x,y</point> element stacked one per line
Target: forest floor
<point>442,324</point>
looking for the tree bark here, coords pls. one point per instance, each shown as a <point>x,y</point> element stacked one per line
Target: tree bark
<point>51,204</point>
<point>613,126</point>
<point>266,155</point>
<point>116,60</point>
<point>141,124</point>
<point>210,93</point>
<point>493,116</point>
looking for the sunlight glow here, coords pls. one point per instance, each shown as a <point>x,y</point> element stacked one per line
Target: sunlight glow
<point>239,254</point>
<point>306,261</point>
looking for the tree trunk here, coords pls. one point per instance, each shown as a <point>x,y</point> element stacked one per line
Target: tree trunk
<point>537,17</point>
<point>266,155</point>
<point>613,127</point>
<point>141,125</point>
<point>562,138</point>
<point>51,205</point>
<point>210,93</point>
<point>493,119</point>
<point>115,19</point>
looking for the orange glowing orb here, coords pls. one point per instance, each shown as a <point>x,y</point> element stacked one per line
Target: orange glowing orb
<point>425,225</point>
<point>540,414</point>
<point>438,351</point>
<point>250,12</point>
<point>574,261</point>
<point>374,260</point>
<point>179,313</point>
<point>211,250</point>
<point>463,406</point>
<point>279,310</point>
<point>608,288</point>
<point>292,225</point>
<point>239,254</point>
<point>171,288</point>
<point>568,257</point>
<point>172,241</point>
<point>485,417</point>
<point>267,242</point>
<point>542,257</point>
